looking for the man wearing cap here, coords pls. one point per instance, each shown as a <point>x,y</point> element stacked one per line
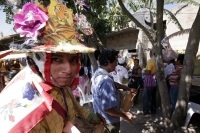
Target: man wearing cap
<point>120,75</point>
<point>39,98</point>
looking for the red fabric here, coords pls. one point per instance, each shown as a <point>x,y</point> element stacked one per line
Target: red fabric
<point>30,120</point>
<point>46,86</point>
<point>75,82</point>
<point>5,53</point>
<point>59,109</point>
<point>47,67</point>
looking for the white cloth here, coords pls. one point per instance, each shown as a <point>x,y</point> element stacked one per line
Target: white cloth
<point>169,69</point>
<point>119,74</point>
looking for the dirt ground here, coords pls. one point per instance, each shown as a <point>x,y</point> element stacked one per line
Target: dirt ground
<point>153,124</point>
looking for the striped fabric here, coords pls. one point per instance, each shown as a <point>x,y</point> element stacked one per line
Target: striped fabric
<point>150,81</point>
<point>174,75</point>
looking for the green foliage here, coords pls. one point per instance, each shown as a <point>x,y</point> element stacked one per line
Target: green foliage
<point>9,14</point>
<point>173,18</point>
<point>97,7</point>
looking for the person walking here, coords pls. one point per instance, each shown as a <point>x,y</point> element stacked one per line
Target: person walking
<point>106,94</point>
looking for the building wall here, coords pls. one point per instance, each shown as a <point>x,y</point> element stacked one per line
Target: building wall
<point>125,39</point>
<point>186,18</point>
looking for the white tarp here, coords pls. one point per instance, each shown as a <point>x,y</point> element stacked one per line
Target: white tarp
<point>13,56</point>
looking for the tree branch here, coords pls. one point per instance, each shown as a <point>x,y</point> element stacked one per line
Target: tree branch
<point>151,39</point>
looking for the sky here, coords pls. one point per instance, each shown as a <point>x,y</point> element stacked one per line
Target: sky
<point>7,29</point>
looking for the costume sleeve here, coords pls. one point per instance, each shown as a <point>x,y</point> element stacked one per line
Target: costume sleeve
<point>41,127</point>
<point>51,123</point>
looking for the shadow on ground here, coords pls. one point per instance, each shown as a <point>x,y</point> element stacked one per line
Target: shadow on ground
<point>154,124</point>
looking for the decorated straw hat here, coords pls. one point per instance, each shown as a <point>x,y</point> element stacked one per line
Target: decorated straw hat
<point>49,30</point>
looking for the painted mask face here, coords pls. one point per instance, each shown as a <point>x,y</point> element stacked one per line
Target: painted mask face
<point>59,69</point>
<point>63,68</point>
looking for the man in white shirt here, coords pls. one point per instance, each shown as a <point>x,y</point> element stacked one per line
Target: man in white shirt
<point>120,75</point>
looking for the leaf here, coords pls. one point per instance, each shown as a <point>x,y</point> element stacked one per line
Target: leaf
<point>19,105</point>
<point>178,33</point>
<point>28,105</point>
<point>11,110</point>
<point>173,18</point>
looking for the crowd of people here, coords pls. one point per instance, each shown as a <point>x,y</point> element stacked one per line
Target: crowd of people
<point>46,90</point>
<point>8,69</point>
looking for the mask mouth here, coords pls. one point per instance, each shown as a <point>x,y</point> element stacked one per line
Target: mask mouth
<point>57,84</point>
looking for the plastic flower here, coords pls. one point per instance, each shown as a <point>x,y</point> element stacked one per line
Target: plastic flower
<point>30,21</point>
<point>12,118</point>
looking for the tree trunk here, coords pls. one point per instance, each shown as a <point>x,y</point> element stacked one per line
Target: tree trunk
<point>91,55</point>
<point>160,65</point>
<point>142,43</point>
<point>98,40</point>
<point>186,75</point>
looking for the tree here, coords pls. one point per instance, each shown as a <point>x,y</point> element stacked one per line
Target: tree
<point>155,39</point>
<point>192,47</point>
<point>186,74</point>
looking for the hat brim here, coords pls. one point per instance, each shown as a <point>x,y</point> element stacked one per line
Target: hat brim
<point>63,46</point>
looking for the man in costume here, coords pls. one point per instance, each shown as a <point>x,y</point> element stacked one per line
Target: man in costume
<point>39,98</point>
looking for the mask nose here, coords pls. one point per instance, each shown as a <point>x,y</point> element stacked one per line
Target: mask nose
<point>67,68</point>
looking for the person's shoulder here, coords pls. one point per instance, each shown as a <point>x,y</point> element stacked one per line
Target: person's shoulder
<point>107,80</point>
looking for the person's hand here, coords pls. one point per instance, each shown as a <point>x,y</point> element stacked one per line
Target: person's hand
<point>128,117</point>
<point>133,91</point>
<point>96,119</point>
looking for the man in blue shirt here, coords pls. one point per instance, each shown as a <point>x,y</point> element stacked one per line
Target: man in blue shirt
<point>106,94</point>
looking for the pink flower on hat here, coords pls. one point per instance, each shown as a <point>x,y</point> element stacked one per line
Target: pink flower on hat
<point>30,21</point>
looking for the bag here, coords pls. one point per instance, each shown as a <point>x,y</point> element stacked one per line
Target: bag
<point>128,101</point>
<point>150,81</point>
<point>168,53</point>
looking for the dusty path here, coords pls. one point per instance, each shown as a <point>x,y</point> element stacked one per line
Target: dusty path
<point>152,124</point>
